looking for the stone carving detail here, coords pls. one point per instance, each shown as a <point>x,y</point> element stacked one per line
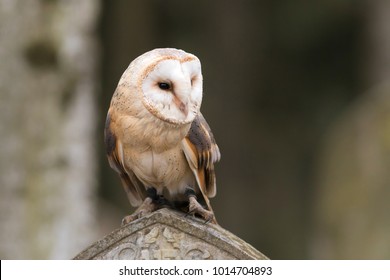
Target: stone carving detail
<point>167,235</point>
<point>159,243</point>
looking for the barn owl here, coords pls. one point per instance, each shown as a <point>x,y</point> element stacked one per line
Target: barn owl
<point>156,138</point>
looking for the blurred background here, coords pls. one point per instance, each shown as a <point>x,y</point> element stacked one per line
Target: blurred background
<point>297,94</point>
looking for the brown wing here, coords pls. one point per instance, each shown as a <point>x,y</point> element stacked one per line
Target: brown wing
<point>133,187</point>
<point>202,152</point>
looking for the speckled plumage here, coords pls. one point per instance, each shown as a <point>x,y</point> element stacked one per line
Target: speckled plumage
<point>156,137</point>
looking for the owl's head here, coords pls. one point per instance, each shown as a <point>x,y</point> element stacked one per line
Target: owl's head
<point>170,84</point>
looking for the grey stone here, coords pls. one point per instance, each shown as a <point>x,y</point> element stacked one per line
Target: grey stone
<point>169,234</point>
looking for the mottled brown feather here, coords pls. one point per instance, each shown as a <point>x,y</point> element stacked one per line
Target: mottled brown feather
<point>202,152</point>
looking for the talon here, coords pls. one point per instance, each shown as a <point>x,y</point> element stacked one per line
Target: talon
<point>147,207</point>
<point>128,219</point>
<point>196,208</point>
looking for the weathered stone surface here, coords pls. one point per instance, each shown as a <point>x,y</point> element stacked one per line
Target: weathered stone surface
<point>168,234</point>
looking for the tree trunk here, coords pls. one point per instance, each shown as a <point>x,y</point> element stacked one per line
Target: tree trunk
<point>47,126</point>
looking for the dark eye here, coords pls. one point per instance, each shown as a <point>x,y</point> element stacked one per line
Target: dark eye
<point>164,86</point>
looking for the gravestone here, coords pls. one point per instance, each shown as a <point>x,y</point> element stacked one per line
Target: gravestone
<point>169,234</point>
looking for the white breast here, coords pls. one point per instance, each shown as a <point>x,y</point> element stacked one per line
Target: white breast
<point>165,169</point>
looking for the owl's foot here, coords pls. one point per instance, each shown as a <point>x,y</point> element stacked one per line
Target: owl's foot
<point>194,207</point>
<point>147,207</point>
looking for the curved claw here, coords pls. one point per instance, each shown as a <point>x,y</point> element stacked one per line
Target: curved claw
<point>195,208</point>
<point>147,207</point>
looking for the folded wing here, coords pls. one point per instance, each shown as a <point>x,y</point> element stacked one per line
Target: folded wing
<point>202,152</point>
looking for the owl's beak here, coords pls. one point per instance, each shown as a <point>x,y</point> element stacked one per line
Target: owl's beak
<point>181,105</point>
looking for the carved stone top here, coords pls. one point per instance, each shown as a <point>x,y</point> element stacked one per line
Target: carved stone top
<point>168,234</point>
